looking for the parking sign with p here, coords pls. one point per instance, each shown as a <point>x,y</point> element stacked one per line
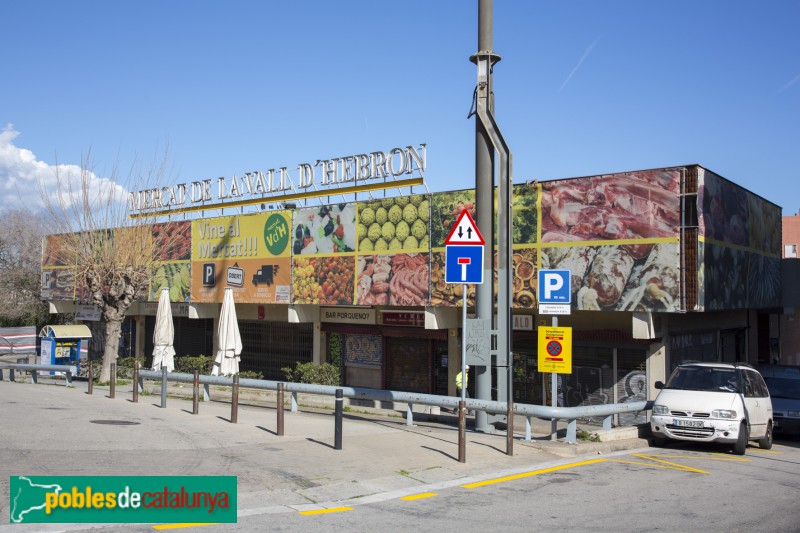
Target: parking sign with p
<point>555,291</point>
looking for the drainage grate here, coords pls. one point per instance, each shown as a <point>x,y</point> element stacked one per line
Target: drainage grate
<point>115,422</point>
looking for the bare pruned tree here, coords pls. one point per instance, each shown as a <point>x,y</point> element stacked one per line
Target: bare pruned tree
<point>20,268</point>
<point>113,252</point>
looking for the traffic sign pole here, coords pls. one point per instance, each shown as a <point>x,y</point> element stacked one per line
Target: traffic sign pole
<point>554,396</point>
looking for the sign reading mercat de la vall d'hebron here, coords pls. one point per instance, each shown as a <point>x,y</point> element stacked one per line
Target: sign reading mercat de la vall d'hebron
<point>333,173</point>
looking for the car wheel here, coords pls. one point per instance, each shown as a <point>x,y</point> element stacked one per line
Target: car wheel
<point>741,443</point>
<point>765,443</point>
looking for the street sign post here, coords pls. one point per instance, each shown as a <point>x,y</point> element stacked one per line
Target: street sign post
<point>463,263</point>
<point>555,298</point>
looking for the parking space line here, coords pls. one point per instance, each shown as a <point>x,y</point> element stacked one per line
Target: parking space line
<point>675,465</point>
<point>650,465</point>
<point>419,496</point>
<point>181,526</point>
<point>759,450</point>
<point>325,511</point>
<point>532,473</point>
<point>717,456</point>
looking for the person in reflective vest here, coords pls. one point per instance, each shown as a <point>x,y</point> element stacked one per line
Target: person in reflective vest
<point>462,382</point>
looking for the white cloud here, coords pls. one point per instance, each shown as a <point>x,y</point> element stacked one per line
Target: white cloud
<point>21,173</point>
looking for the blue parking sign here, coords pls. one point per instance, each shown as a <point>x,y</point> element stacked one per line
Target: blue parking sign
<point>554,287</point>
<point>463,264</point>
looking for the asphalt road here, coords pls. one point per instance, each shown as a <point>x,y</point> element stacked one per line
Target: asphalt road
<point>390,477</point>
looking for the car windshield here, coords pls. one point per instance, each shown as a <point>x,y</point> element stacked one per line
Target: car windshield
<point>784,388</point>
<point>703,378</point>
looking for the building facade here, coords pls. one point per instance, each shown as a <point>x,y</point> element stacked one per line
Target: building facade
<point>667,265</point>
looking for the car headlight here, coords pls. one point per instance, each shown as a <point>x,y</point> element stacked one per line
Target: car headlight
<point>660,410</point>
<point>723,413</point>
<point>795,414</point>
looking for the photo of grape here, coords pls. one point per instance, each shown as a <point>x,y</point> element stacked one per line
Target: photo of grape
<point>174,276</point>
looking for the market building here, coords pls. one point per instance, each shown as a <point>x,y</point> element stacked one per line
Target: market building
<point>667,265</point>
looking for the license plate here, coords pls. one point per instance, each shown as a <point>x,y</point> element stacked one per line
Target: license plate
<point>688,423</point>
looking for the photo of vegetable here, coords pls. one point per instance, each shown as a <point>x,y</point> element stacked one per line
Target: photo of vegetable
<point>336,279</point>
<point>329,229</point>
<point>176,277</point>
<point>524,213</point>
<point>394,224</point>
<point>305,280</point>
<point>445,209</point>
<point>401,279</point>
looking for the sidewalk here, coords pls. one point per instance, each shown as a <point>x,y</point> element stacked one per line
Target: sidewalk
<point>50,429</point>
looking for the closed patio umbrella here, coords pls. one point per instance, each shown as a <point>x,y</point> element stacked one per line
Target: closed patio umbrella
<point>164,335</point>
<point>229,342</point>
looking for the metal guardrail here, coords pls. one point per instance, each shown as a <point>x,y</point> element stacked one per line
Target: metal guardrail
<point>68,370</point>
<point>570,414</point>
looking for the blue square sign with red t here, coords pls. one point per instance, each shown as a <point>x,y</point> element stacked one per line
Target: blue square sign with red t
<point>463,264</point>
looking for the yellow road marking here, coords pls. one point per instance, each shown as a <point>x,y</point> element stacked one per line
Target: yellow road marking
<point>419,496</point>
<point>676,465</point>
<point>759,450</point>
<point>649,465</point>
<point>723,457</point>
<point>325,511</point>
<point>179,526</point>
<point>528,474</point>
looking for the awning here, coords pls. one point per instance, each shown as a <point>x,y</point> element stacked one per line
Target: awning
<point>78,331</point>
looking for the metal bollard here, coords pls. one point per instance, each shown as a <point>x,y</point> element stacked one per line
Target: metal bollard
<point>462,432</point>
<point>280,410</point>
<point>10,374</point>
<point>91,377</point>
<point>136,382</point>
<point>337,438</point>
<point>1,374</point>
<point>34,377</point>
<point>69,378</point>
<point>112,381</point>
<point>163,386</point>
<point>235,400</point>
<point>510,429</point>
<point>196,393</point>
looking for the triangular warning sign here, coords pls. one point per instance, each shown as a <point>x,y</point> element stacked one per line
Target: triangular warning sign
<point>465,231</point>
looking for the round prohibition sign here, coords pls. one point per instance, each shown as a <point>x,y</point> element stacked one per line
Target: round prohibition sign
<point>554,348</point>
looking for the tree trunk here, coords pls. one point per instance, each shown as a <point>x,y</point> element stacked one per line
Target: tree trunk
<point>113,331</point>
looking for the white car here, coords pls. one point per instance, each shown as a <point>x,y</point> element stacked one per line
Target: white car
<point>713,402</point>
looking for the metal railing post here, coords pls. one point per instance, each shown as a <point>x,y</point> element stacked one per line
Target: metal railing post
<point>91,377</point>
<point>235,400</point>
<point>163,387</point>
<point>572,427</point>
<point>136,382</point>
<point>409,414</point>
<point>337,437</point>
<point>462,431</point>
<point>294,401</point>
<point>280,413</point>
<point>206,393</point>
<point>112,381</point>
<point>528,428</point>
<point>196,393</point>
<point>607,422</point>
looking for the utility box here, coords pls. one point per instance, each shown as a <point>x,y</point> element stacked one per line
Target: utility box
<point>61,345</point>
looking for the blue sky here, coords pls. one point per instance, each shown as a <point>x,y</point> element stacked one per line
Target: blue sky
<point>583,87</point>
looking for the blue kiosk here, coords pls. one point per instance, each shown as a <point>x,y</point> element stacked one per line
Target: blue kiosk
<point>61,345</point>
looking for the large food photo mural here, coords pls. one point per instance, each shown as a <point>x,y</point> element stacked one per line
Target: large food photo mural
<point>618,234</point>
<point>251,254</point>
<point>323,260</point>
<point>393,266</point>
<point>740,247</point>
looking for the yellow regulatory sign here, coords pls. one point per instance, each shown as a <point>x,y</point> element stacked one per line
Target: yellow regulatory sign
<point>555,350</point>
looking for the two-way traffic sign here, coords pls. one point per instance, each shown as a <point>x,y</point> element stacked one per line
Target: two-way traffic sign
<point>464,252</point>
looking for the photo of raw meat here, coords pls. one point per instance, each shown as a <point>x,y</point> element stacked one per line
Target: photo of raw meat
<point>400,279</point>
<point>633,205</point>
<point>611,278</point>
<point>172,241</point>
<point>725,210</point>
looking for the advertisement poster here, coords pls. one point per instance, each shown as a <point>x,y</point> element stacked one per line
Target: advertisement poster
<point>249,253</point>
<point>399,279</point>
<point>394,224</point>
